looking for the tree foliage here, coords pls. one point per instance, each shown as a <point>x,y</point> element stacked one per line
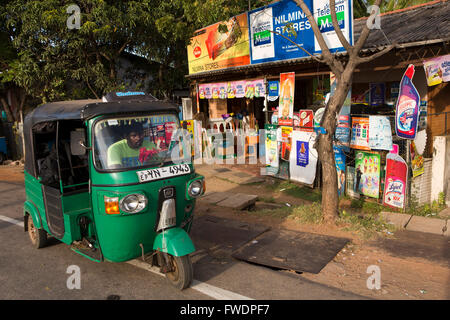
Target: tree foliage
<point>54,62</point>
<point>360,6</point>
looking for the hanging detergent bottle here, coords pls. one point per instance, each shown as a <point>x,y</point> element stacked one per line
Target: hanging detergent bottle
<point>395,179</point>
<point>407,107</point>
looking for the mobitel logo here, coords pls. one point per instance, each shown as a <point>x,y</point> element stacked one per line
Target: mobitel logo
<point>197,51</point>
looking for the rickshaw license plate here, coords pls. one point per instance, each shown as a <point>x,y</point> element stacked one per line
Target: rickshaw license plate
<point>165,172</point>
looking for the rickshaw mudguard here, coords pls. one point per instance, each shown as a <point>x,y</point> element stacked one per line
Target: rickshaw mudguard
<point>32,211</point>
<point>174,241</point>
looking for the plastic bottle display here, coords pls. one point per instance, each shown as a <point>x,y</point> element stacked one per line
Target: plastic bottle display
<point>395,180</point>
<point>407,107</point>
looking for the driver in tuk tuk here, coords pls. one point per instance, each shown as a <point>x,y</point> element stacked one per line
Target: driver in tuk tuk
<point>132,151</point>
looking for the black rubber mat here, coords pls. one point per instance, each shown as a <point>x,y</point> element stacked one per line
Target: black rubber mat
<point>222,170</point>
<point>298,251</point>
<point>213,232</point>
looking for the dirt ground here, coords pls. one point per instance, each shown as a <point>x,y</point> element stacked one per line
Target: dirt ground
<point>11,173</point>
<point>401,278</point>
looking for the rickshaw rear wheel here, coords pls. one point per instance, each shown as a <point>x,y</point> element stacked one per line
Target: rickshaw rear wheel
<point>182,272</point>
<point>38,237</point>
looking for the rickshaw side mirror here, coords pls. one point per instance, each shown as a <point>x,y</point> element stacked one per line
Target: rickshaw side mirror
<point>77,141</point>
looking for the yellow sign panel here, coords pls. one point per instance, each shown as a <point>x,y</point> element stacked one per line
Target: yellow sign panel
<point>221,45</point>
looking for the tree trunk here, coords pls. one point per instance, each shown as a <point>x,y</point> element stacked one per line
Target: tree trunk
<point>6,107</point>
<point>22,134</point>
<point>330,198</point>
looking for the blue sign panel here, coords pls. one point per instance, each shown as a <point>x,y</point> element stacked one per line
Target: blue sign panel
<point>271,36</point>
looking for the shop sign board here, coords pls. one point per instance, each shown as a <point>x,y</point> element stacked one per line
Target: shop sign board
<point>437,70</point>
<point>211,49</point>
<point>367,166</point>
<point>380,133</point>
<point>360,133</point>
<point>267,23</point>
<point>407,107</point>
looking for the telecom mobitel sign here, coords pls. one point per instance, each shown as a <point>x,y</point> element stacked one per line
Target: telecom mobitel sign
<point>267,23</point>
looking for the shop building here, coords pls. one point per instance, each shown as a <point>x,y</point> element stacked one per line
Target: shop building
<point>421,34</point>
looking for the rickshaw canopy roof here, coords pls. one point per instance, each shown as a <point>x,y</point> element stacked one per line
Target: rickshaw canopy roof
<point>87,109</point>
<point>82,110</point>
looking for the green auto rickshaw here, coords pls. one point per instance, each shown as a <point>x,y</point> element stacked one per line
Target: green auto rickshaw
<point>113,179</point>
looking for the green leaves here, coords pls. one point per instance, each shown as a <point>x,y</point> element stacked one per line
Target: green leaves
<point>53,62</point>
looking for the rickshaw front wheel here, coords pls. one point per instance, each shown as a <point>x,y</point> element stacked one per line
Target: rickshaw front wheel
<point>38,237</point>
<point>182,272</point>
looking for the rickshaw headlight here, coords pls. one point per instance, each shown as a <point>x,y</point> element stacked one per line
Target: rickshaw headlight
<point>133,203</point>
<point>195,188</point>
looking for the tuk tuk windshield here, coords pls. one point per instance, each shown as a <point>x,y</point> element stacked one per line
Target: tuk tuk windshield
<point>136,142</point>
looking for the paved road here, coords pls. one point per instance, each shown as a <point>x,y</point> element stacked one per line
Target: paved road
<point>28,273</point>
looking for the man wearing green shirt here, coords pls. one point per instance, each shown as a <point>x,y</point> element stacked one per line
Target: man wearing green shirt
<point>130,152</point>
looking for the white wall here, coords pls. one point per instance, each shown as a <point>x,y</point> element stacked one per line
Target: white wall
<point>441,166</point>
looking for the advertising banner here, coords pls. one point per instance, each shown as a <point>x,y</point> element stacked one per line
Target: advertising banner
<point>367,166</point>
<point>360,133</point>
<point>212,49</point>
<point>351,190</point>
<point>286,142</point>
<point>416,161</point>
<point>287,89</point>
<point>260,88</point>
<point>395,180</point>
<point>285,122</point>
<point>240,88</point>
<point>407,107</point>
<point>267,23</point>
<point>377,94</point>
<point>232,89</point>
<point>303,158</point>
<point>343,130</point>
<point>219,90</point>
<point>205,91</point>
<point>380,134</point>
<point>306,122</point>
<point>437,70</point>
<point>189,125</point>
<point>273,90</point>
<point>322,14</point>
<point>339,158</point>
<point>271,145</point>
